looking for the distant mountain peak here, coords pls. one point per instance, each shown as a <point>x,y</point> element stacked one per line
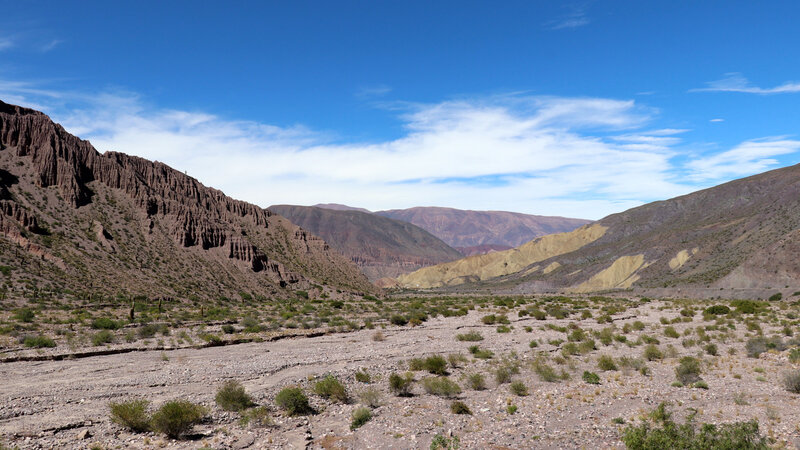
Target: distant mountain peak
<point>340,207</point>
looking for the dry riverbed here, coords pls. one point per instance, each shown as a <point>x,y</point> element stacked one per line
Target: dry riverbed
<point>64,404</point>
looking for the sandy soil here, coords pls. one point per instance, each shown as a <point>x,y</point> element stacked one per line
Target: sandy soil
<point>63,404</point>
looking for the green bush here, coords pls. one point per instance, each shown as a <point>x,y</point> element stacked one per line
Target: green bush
<point>472,336</point>
<point>397,319</point>
<point>361,415</point>
<point>232,397</point>
<point>131,414</point>
<point>332,389</point>
<point>476,382</point>
<point>591,377</point>
<point>441,387</point>
<point>503,329</point>
<point>652,353</point>
<point>38,342</point>
<point>606,362</point>
<point>102,337</point>
<point>480,353</point>
<point>775,297</point>
<point>400,385</point>
<point>717,310</point>
<point>458,407</point>
<point>711,349</point>
<point>791,381</point>
<point>177,417</point>
<point>670,332</point>
<point>104,323</point>
<point>24,315</point>
<point>688,371</point>
<point>370,397</point>
<point>293,401</point>
<point>660,432</point>
<point>518,388</point>
<point>547,373</point>
<point>258,417</point>
<point>362,376</point>
<point>435,364</point>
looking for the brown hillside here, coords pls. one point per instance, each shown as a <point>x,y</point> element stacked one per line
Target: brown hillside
<point>463,228</point>
<point>72,219</point>
<point>739,235</point>
<point>380,246</point>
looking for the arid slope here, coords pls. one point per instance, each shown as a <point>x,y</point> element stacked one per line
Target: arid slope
<point>75,220</point>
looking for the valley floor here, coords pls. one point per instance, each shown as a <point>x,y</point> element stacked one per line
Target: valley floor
<point>64,404</point>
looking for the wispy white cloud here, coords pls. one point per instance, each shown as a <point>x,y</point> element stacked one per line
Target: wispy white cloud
<point>6,43</point>
<point>580,157</point>
<point>575,19</point>
<point>378,90</point>
<point>53,43</point>
<point>735,82</point>
<point>745,159</point>
<point>717,120</point>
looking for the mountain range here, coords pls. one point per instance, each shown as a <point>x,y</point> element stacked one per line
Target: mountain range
<point>739,235</point>
<point>75,220</point>
<point>380,246</point>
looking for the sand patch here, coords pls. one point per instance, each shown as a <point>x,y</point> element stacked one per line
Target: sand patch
<point>621,274</point>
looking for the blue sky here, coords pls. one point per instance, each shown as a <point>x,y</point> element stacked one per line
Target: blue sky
<point>559,108</point>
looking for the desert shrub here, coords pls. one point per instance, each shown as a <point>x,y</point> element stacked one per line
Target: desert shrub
<point>503,329</point>
<point>518,388</point>
<point>177,417</point>
<point>104,323</point>
<point>131,414</point>
<point>458,407</point>
<point>717,310</point>
<point>441,387</point>
<point>378,337</point>
<point>638,325</point>
<point>25,315</point>
<point>748,306</point>
<point>758,345</point>
<point>293,401</point>
<point>547,373</point>
<point>794,355</point>
<point>660,432</point>
<point>775,297</point>
<point>671,332</point>
<point>606,362</point>
<point>456,360</point>
<point>476,382</point>
<point>711,349</point>
<point>652,353</point>
<point>688,371</point>
<point>440,442</point>
<point>251,324</point>
<point>538,314</point>
<point>370,397</point>
<point>362,376</point>
<point>480,353</point>
<point>102,337</point>
<point>502,374</point>
<point>232,397</point>
<point>397,319</point>
<point>360,416</point>
<point>228,329</point>
<point>435,364</point>
<point>258,417</point>
<point>791,381</point>
<point>400,385</point>
<point>591,377</point>
<point>332,389</point>
<point>38,342</point>
<point>472,336</point>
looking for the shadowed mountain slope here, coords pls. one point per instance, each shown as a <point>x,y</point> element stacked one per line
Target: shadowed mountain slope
<point>380,246</point>
<point>73,219</point>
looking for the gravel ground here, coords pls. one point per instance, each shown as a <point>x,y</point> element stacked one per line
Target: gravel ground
<point>63,404</point>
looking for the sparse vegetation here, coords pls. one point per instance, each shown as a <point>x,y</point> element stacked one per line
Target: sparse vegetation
<point>293,401</point>
<point>400,385</point>
<point>472,336</point>
<point>176,418</point>
<point>332,389</point>
<point>232,397</point>
<point>441,387</point>
<point>459,407</point>
<point>360,416</point>
<point>131,414</point>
